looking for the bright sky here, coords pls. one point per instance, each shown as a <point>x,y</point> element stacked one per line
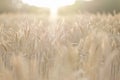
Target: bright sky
<point>49,3</point>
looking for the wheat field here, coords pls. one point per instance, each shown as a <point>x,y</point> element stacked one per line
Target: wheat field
<point>77,47</point>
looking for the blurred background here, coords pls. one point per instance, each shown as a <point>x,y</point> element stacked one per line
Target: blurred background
<point>91,6</point>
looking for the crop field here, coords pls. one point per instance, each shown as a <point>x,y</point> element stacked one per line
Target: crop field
<point>77,47</point>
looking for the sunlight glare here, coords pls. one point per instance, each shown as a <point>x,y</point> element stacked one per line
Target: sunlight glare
<point>53,5</point>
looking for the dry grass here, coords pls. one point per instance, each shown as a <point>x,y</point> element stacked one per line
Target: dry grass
<point>80,47</point>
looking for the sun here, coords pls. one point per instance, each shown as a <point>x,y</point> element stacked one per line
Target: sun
<point>53,5</point>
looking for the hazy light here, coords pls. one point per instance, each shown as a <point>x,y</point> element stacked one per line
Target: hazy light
<point>88,0</point>
<point>53,5</point>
